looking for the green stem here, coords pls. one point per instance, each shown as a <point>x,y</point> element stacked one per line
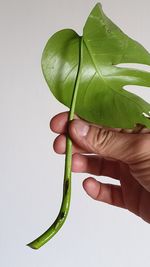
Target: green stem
<point>54,228</point>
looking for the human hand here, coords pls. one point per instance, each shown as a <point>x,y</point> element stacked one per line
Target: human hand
<point>121,156</point>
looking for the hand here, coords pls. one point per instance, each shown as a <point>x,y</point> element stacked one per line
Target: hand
<point>121,156</point>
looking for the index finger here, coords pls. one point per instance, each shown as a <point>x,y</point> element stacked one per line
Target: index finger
<point>59,122</point>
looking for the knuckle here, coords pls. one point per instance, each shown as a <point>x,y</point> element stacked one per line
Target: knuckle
<point>102,139</point>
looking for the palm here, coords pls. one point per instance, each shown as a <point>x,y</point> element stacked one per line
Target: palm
<point>136,198</point>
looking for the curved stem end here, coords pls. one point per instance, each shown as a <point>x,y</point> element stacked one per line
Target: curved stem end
<point>33,246</point>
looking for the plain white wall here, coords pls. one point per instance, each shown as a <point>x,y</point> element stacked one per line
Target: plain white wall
<point>31,174</point>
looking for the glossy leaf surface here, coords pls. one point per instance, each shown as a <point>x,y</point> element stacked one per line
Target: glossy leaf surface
<point>101,97</point>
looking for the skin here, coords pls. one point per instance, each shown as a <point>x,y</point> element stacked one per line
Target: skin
<point>113,153</point>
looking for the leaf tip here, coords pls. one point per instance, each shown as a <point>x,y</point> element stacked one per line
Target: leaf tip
<point>98,6</point>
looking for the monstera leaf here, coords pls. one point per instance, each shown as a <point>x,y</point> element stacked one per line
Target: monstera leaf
<point>83,73</point>
<point>101,98</point>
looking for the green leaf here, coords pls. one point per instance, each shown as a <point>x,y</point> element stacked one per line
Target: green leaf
<point>101,97</point>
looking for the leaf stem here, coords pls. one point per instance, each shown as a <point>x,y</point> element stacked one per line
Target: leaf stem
<point>54,228</point>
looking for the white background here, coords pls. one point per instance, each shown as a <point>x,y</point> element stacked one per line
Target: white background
<point>31,174</point>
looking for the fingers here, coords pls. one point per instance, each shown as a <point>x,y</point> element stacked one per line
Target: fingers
<point>96,165</point>
<point>88,163</point>
<point>108,193</point>
<point>92,139</point>
<point>125,147</point>
<point>59,123</point>
<point>60,145</point>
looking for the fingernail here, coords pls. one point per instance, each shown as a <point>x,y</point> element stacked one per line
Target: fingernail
<point>81,128</point>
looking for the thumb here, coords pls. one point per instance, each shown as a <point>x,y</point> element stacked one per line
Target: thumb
<point>108,143</point>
